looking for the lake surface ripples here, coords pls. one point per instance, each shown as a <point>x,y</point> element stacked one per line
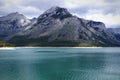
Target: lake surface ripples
<point>60,64</point>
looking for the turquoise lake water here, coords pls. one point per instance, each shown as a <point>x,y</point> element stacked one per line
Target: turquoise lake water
<point>60,64</point>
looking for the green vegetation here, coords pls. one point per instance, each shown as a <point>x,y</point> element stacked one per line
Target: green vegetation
<point>86,45</point>
<point>23,41</point>
<point>4,44</point>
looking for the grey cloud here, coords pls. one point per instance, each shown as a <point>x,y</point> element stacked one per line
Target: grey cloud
<point>2,12</point>
<point>80,10</point>
<point>112,10</point>
<point>2,3</point>
<point>110,1</point>
<point>43,4</point>
<point>33,8</point>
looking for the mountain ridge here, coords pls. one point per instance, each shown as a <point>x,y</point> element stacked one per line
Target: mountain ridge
<point>57,25</point>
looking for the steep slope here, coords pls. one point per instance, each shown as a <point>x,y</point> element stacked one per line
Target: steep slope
<point>11,24</point>
<point>57,27</point>
<point>115,32</point>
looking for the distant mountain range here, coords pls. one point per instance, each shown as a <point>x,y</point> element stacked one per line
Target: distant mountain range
<point>55,27</point>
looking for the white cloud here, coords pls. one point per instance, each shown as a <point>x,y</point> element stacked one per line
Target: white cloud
<point>109,19</point>
<point>30,11</point>
<point>81,3</point>
<point>10,3</point>
<point>106,11</point>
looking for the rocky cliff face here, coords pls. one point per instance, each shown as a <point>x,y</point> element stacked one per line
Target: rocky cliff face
<point>57,24</point>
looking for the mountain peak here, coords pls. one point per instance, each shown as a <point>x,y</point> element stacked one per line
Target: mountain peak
<point>14,14</point>
<point>56,8</point>
<point>56,12</point>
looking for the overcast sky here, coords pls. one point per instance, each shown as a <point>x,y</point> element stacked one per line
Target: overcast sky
<point>107,11</point>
